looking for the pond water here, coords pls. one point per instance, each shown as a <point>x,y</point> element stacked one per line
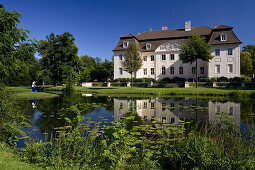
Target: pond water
<point>48,114</point>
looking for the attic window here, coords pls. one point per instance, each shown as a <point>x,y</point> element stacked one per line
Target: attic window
<point>125,44</point>
<point>148,46</point>
<point>223,37</point>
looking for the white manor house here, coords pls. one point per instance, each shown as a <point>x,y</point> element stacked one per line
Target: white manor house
<point>160,53</point>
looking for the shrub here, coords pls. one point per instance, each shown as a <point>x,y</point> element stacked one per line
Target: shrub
<point>222,79</point>
<point>204,79</point>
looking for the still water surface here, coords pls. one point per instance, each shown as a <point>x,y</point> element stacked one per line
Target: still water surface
<point>46,114</point>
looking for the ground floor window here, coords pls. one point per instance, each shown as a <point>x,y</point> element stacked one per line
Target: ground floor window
<point>230,68</point>
<point>193,69</point>
<point>202,70</point>
<point>163,70</point>
<point>152,71</point>
<point>217,68</point>
<point>145,71</point>
<point>181,70</point>
<point>121,71</point>
<point>172,70</point>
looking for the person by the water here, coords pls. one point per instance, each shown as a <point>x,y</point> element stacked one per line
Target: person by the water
<point>33,86</point>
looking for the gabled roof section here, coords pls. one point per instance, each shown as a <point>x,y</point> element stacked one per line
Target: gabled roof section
<point>222,27</point>
<point>127,36</point>
<point>173,33</point>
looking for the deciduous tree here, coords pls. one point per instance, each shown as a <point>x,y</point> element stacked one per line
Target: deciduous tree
<point>251,49</point>
<point>132,60</point>
<point>195,48</point>
<point>246,63</point>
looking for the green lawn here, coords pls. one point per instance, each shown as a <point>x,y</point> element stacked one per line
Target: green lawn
<point>201,91</point>
<point>10,161</point>
<point>20,88</point>
<point>34,95</point>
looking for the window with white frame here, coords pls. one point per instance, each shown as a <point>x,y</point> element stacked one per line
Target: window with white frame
<point>152,105</point>
<point>223,37</point>
<point>121,56</point>
<point>217,68</point>
<point>144,58</point>
<point>171,70</point>
<point>230,51</point>
<point>121,105</point>
<point>193,70</point>
<point>163,57</point>
<point>230,68</point>
<point>181,70</point>
<point>152,57</point>
<point>202,70</point>
<point>145,71</point>
<point>121,71</point>
<point>230,110</point>
<point>125,44</point>
<point>148,46</point>
<point>171,56</point>
<point>145,105</point>
<point>163,69</point>
<point>152,71</point>
<point>217,52</point>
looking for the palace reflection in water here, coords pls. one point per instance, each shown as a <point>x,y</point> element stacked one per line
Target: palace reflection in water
<point>171,110</point>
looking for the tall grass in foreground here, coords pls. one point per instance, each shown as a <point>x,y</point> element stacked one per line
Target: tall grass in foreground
<point>131,145</point>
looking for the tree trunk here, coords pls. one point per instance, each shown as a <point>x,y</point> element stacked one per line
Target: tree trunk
<point>196,74</point>
<point>131,79</point>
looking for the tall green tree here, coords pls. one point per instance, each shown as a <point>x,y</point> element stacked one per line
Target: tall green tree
<point>132,60</point>
<point>60,60</point>
<point>246,63</point>
<point>195,48</point>
<point>251,49</point>
<point>11,38</point>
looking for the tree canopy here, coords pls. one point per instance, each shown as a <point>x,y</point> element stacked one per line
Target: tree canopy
<point>251,49</point>
<point>132,59</point>
<point>246,63</point>
<point>59,58</point>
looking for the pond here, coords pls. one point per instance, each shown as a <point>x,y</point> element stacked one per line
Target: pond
<point>48,114</point>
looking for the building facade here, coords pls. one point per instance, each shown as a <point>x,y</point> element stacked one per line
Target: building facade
<point>160,53</point>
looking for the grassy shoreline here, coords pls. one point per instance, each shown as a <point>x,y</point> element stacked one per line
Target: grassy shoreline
<point>201,91</point>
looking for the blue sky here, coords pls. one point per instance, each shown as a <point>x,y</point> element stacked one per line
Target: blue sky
<point>98,24</point>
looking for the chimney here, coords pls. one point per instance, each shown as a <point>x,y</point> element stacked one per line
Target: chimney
<point>150,29</point>
<point>137,33</point>
<point>215,26</point>
<point>187,25</point>
<point>164,27</point>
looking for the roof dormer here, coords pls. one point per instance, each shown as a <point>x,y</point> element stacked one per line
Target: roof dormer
<point>148,46</point>
<point>223,37</point>
<point>125,44</point>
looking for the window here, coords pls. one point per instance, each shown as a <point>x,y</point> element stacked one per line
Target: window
<point>171,104</point>
<point>145,105</point>
<point>163,57</point>
<point>172,70</point>
<point>217,68</point>
<point>121,105</point>
<point>172,119</point>
<point>172,57</point>
<point>152,71</point>
<point>121,56</point>
<point>163,70</point>
<point>230,110</point>
<point>230,51</point>
<point>217,52</point>
<point>145,71</point>
<point>218,111</point>
<point>202,70</point>
<point>230,68</point>
<point>152,57</point>
<point>223,37</point>
<point>163,106</point>
<point>121,71</point>
<point>193,69</point>
<point>152,105</point>
<point>152,118</point>
<point>144,58</point>
<point>148,46</point>
<point>125,44</point>
<point>145,118</point>
<point>163,119</point>
<point>181,70</point>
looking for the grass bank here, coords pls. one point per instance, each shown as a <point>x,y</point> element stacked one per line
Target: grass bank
<point>26,92</point>
<point>9,160</point>
<point>201,91</point>
<point>34,95</point>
